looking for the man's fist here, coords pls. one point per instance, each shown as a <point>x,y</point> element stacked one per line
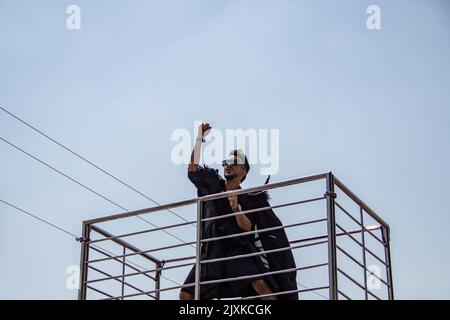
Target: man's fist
<point>203,130</point>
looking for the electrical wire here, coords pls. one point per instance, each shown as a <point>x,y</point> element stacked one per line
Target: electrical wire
<point>88,161</point>
<point>72,234</point>
<point>84,186</point>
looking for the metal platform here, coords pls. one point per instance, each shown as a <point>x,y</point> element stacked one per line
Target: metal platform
<point>101,249</point>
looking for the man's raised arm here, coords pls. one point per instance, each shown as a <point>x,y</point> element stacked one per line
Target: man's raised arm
<point>203,131</point>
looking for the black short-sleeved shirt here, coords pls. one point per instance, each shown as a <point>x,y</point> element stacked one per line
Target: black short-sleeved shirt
<point>208,181</point>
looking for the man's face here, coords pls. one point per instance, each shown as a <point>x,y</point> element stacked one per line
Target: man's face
<point>232,169</point>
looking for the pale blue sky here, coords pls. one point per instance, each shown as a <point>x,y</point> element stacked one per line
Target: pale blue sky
<point>373,106</point>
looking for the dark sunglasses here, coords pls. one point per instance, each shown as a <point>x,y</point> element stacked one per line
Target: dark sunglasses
<point>232,162</point>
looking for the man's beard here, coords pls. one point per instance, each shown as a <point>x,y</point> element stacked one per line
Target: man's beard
<point>230,177</point>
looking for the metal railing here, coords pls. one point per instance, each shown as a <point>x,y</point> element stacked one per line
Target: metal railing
<point>153,275</point>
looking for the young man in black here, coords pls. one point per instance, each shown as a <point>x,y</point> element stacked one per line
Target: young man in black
<point>208,181</point>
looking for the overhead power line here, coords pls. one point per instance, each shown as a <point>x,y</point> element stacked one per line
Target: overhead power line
<point>88,161</point>
<point>40,219</point>
<point>85,187</point>
<point>73,235</point>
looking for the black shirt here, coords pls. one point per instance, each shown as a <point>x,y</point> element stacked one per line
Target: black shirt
<point>208,181</point>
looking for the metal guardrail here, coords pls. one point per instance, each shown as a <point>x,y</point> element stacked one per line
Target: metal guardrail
<point>334,232</point>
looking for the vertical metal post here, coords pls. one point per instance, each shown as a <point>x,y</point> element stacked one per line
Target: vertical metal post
<point>123,271</point>
<point>363,238</point>
<point>83,261</point>
<point>198,251</point>
<point>158,280</point>
<point>387,253</point>
<point>331,225</point>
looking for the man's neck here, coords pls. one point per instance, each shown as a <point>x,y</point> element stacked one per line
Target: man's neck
<point>233,184</point>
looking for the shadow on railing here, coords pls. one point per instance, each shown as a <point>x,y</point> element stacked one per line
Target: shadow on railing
<point>373,279</point>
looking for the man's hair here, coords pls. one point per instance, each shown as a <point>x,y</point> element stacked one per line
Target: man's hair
<point>242,160</point>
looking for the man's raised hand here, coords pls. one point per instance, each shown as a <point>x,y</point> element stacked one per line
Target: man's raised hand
<point>203,130</point>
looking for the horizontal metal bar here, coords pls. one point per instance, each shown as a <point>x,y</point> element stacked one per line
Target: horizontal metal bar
<point>100,291</point>
<point>345,296</point>
<point>359,223</point>
<point>273,185</point>
<point>283,293</point>
<point>118,260</point>
<point>139,273</point>
<point>240,234</point>
<point>324,236</point>
<point>144,251</point>
<point>240,256</point>
<point>261,252</point>
<point>268,186</point>
<point>129,214</point>
<point>350,256</point>
<point>361,245</point>
<point>124,243</point>
<point>360,264</point>
<point>192,257</point>
<point>121,281</point>
<point>357,283</point>
<point>262,274</point>
<point>206,282</point>
<point>261,209</point>
<point>178,259</point>
<point>351,279</point>
<point>141,232</point>
<point>153,291</point>
<point>185,244</point>
<point>361,203</point>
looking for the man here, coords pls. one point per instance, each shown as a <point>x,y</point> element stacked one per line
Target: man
<point>208,181</point>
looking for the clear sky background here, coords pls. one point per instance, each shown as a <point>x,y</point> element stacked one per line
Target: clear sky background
<point>373,106</point>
